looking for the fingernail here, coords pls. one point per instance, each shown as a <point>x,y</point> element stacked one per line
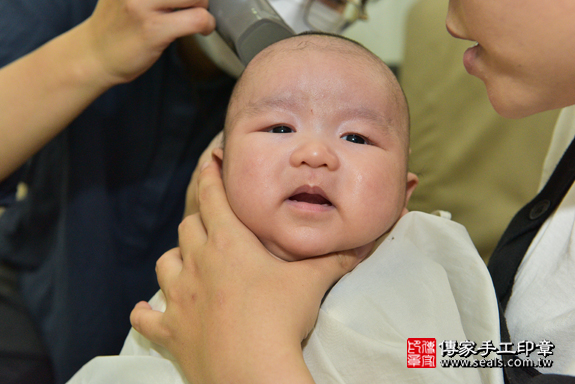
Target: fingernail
<point>205,165</point>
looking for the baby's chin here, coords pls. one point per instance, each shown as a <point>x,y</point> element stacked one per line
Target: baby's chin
<point>302,253</point>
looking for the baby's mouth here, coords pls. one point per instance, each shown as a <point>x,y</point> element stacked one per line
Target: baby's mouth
<point>310,195</point>
<point>311,198</point>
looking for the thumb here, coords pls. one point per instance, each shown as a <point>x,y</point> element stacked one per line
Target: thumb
<point>148,322</point>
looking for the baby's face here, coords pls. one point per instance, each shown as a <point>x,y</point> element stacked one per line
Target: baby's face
<point>315,157</point>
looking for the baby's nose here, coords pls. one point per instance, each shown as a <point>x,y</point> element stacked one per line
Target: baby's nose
<point>315,154</point>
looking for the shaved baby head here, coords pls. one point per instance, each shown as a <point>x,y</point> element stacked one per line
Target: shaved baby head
<point>315,157</point>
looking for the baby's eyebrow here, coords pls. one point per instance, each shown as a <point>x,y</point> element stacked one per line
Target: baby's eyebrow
<point>290,102</point>
<point>284,102</point>
<point>363,113</point>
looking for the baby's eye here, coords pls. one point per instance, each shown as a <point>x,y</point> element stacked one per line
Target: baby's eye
<point>281,129</point>
<point>357,139</point>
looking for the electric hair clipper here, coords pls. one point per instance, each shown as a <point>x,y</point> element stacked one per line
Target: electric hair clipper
<point>248,26</point>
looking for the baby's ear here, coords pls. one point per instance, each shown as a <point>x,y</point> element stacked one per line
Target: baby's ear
<point>412,181</point>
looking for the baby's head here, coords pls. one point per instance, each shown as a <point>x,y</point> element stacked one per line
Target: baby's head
<point>316,148</point>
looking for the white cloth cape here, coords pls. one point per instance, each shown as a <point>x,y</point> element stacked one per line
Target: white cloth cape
<point>424,280</point>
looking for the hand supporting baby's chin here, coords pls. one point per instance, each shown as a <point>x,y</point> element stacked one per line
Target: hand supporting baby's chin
<point>350,257</point>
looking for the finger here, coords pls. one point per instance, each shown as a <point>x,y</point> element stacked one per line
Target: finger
<point>168,267</point>
<point>189,21</point>
<point>148,322</point>
<point>178,4</point>
<point>191,234</point>
<point>215,211</point>
<point>143,304</point>
<point>192,205</point>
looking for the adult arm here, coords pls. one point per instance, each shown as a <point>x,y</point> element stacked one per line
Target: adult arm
<point>234,313</point>
<point>42,92</point>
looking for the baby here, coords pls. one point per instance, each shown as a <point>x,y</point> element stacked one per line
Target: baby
<point>316,148</point>
<point>314,161</point>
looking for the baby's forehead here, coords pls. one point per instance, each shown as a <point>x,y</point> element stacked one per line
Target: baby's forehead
<point>326,50</point>
<point>295,57</point>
